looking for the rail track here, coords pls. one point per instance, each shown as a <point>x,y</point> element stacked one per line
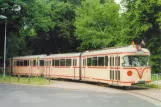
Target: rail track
<point>144,95</point>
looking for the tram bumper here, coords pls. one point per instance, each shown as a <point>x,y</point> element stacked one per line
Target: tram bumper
<point>141,82</point>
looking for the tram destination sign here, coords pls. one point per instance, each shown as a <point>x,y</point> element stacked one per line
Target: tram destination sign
<point>139,52</point>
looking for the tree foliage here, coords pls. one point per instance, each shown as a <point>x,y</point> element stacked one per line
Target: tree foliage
<point>97,24</point>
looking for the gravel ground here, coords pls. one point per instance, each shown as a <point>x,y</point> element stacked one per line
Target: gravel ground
<point>82,86</point>
<point>37,96</point>
<point>154,93</point>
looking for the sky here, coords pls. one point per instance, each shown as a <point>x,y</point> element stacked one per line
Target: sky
<point>117,1</point>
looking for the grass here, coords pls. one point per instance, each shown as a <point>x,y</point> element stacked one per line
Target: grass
<point>153,86</point>
<point>155,77</point>
<point>25,80</point>
<point>149,85</point>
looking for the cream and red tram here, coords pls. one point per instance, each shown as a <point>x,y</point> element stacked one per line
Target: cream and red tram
<point>27,65</point>
<point>123,66</point>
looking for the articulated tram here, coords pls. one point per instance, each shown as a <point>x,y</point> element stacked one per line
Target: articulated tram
<point>123,66</point>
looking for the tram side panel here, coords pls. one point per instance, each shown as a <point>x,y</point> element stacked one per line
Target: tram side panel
<point>65,68</point>
<point>147,74</point>
<point>96,69</point>
<point>20,67</point>
<point>26,67</point>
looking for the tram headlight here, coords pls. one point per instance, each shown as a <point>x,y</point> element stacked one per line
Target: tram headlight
<point>129,73</point>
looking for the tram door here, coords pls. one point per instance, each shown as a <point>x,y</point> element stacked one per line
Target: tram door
<point>47,66</point>
<point>31,63</point>
<point>75,67</point>
<point>84,68</point>
<point>112,70</point>
<point>14,67</point>
<point>117,70</point>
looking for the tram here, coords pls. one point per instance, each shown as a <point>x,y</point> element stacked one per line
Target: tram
<point>119,66</point>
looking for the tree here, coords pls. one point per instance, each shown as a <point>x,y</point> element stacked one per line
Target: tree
<point>97,24</point>
<point>60,38</point>
<point>25,18</point>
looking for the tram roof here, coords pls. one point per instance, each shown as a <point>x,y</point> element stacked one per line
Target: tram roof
<point>64,55</point>
<point>115,50</point>
<point>30,56</point>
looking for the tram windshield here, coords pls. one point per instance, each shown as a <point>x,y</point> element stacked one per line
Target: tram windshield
<point>136,61</point>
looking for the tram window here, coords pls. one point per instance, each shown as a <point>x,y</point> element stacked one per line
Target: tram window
<point>62,62</point>
<point>118,75</point>
<point>106,60</point>
<point>113,61</point>
<point>100,61</point>
<point>49,63</point>
<point>84,62</point>
<point>94,61</point>
<point>18,63</point>
<point>74,62</point>
<point>34,62</point>
<point>89,60</point>
<point>46,63</point>
<point>25,62</point>
<point>136,61</point>
<point>21,62</point>
<point>110,61</point>
<point>37,62</point>
<point>15,63</point>
<point>110,74</point>
<point>118,61</point>
<point>41,62</point>
<point>53,64</point>
<point>56,62</point>
<point>12,62</point>
<point>31,63</point>
<point>68,62</point>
